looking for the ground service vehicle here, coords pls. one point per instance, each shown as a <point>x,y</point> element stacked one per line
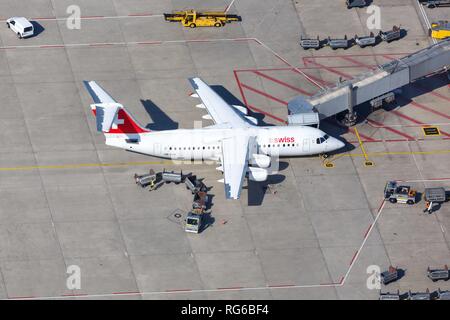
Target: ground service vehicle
<point>401,194</point>
<point>21,26</point>
<point>193,19</point>
<point>440,30</point>
<point>435,3</point>
<point>356,3</point>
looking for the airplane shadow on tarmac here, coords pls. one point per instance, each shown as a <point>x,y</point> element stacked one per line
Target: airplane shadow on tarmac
<point>161,121</point>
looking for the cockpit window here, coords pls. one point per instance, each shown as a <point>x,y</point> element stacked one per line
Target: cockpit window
<point>322,139</point>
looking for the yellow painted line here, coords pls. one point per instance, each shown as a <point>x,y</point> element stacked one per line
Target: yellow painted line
<point>168,162</point>
<point>379,154</point>
<point>86,165</point>
<point>361,144</point>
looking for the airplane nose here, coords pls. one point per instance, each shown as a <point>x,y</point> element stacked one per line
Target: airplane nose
<point>335,144</point>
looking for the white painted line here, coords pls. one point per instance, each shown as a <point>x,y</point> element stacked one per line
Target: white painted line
<point>229,6</point>
<point>144,15</point>
<point>355,258</point>
<point>425,18</point>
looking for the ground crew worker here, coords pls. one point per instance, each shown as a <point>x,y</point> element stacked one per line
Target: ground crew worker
<point>152,184</point>
<point>428,206</point>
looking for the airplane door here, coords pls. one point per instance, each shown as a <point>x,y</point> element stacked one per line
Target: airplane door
<point>306,145</point>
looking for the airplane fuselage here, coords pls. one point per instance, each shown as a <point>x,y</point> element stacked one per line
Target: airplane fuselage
<point>205,143</point>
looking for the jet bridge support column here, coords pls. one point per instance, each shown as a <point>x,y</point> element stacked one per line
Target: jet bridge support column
<point>350,117</point>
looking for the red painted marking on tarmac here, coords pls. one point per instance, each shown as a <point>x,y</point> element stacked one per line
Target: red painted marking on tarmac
<point>367,231</point>
<point>354,256</point>
<point>362,135</point>
<point>421,106</point>
<point>240,88</point>
<point>24,297</point>
<point>401,115</point>
<point>332,70</point>
<point>410,138</point>
<point>282,83</point>
<point>358,63</point>
<point>436,94</point>
<point>267,114</point>
<point>74,295</point>
<point>230,288</point>
<point>363,55</point>
<point>263,94</point>
<point>7,48</point>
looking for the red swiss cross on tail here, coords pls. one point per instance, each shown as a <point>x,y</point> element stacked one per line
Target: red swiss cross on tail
<point>111,116</point>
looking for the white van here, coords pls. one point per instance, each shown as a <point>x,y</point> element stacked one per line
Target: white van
<point>21,26</point>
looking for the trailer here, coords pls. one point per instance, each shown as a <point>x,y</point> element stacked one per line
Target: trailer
<point>435,3</point>
<point>389,276</point>
<point>146,179</point>
<point>442,295</point>
<point>391,35</point>
<point>171,176</point>
<point>338,43</point>
<point>419,295</point>
<point>193,184</point>
<point>193,19</point>
<point>389,296</point>
<point>369,40</point>
<point>308,43</point>
<point>438,274</point>
<point>356,3</point>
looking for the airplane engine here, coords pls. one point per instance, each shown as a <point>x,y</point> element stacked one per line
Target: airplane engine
<point>257,174</point>
<point>260,160</point>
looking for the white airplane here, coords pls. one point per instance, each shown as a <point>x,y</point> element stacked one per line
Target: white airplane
<point>235,140</point>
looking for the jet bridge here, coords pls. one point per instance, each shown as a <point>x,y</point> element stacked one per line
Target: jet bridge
<point>369,86</point>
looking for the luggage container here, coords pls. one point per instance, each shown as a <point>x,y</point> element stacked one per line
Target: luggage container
<point>389,296</point>
<point>308,43</point>
<point>145,179</point>
<point>442,295</point>
<point>193,184</point>
<point>419,295</point>
<point>338,43</point>
<point>435,195</point>
<point>356,3</point>
<point>389,276</point>
<point>435,3</point>
<point>438,274</point>
<point>171,176</point>
<point>370,40</point>
<point>391,35</point>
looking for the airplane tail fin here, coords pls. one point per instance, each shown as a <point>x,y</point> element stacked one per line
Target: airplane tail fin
<point>111,117</point>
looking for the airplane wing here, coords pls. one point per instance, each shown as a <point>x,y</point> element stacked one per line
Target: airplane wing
<point>219,111</point>
<point>235,163</point>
